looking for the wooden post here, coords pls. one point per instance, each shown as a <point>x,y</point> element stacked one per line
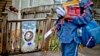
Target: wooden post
<point>4,31</point>
<point>48,26</point>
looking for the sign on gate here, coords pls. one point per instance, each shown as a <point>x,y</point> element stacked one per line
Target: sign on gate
<point>28,36</point>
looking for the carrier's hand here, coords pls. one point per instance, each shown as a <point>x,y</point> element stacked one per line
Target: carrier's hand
<point>68,18</point>
<point>54,29</point>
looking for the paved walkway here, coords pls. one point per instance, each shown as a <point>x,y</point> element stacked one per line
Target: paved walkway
<point>91,52</point>
<point>84,52</point>
<point>43,54</point>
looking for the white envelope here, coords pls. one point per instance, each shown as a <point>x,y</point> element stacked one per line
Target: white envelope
<point>47,34</point>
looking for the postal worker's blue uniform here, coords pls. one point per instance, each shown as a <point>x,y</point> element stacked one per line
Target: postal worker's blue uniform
<point>67,32</point>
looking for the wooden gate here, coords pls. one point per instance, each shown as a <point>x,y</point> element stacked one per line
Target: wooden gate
<point>14,35</point>
<point>11,35</point>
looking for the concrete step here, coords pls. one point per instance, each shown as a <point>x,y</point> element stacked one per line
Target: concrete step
<point>0,15</point>
<point>0,10</point>
<point>8,4</point>
<point>2,2</point>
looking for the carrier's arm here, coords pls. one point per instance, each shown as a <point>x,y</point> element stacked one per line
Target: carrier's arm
<point>83,19</point>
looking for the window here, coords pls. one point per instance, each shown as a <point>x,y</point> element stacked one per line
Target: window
<point>60,1</point>
<point>34,3</point>
<point>15,3</point>
<point>24,3</point>
<point>57,1</point>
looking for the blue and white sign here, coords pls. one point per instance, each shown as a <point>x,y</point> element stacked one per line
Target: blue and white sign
<point>28,36</point>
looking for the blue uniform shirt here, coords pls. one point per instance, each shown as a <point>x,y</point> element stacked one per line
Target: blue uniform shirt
<point>68,30</point>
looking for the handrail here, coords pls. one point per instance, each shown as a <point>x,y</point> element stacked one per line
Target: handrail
<point>36,19</point>
<point>41,6</point>
<point>11,11</point>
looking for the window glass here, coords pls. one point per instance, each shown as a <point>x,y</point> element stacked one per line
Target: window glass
<point>34,3</point>
<point>25,3</point>
<point>60,1</point>
<point>15,3</point>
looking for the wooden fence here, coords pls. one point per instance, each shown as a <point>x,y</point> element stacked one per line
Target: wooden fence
<point>11,36</point>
